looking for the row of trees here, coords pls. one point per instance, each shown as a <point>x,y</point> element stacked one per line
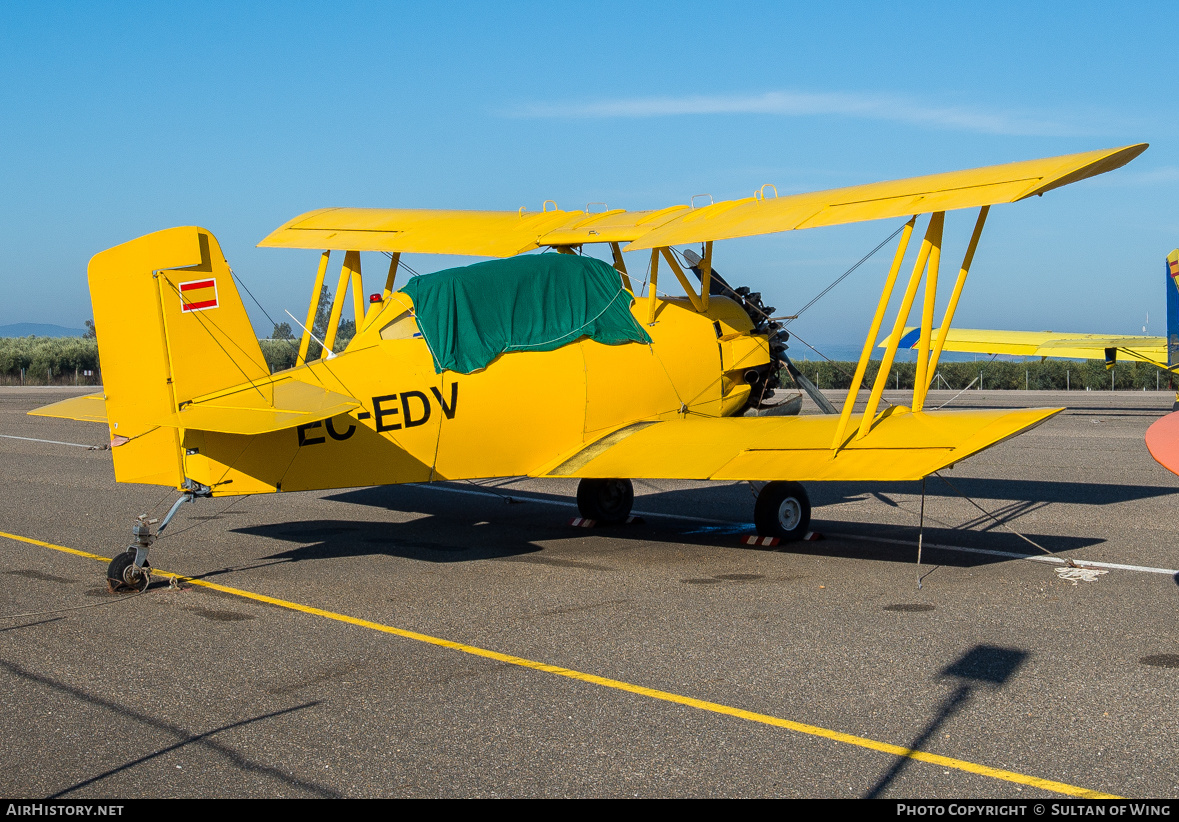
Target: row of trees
<point>1050,375</point>
<point>48,360</point>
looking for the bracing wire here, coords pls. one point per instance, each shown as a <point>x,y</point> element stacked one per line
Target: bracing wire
<point>845,275</point>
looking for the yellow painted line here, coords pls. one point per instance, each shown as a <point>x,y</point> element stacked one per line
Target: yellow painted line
<point>618,685</point>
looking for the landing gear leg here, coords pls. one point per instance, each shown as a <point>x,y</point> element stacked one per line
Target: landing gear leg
<point>130,571</point>
<point>783,510</point>
<point>605,500</point>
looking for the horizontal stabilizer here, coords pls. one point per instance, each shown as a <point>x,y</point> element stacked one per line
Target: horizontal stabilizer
<point>89,408</point>
<point>901,446</point>
<point>261,407</point>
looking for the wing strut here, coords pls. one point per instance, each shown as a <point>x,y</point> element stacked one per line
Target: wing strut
<point>679,275</point>
<point>314,309</point>
<point>652,286</point>
<point>957,292</point>
<point>933,239</point>
<point>349,275</point>
<point>873,332</point>
<point>620,267</point>
<point>706,274</point>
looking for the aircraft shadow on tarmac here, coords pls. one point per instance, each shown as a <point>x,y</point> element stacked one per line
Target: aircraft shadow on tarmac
<point>1041,491</point>
<point>436,538</point>
<point>471,528</point>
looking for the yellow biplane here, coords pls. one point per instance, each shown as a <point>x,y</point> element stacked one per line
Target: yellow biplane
<point>544,365</point>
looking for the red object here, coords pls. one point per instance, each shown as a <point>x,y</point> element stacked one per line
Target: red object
<point>197,295</point>
<point>754,539</point>
<point>375,298</point>
<point>1162,440</point>
<point>582,522</point>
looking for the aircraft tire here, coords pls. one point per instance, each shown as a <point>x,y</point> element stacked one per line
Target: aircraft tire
<point>783,510</point>
<point>607,501</point>
<point>116,575</point>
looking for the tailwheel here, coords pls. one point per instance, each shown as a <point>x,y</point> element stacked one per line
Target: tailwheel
<point>124,576</point>
<point>606,500</point>
<point>783,510</point>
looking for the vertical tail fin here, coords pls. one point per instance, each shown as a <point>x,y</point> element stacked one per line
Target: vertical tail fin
<point>170,327</point>
<point>1173,308</point>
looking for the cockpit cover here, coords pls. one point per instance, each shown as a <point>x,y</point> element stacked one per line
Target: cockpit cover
<point>535,302</point>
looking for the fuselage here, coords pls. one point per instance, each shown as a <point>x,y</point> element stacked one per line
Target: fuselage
<point>523,412</point>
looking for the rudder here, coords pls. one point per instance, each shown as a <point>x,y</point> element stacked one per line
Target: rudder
<point>1173,308</point>
<point>170,327</point>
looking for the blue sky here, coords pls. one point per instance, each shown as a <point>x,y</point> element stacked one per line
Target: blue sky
<point>122,119</point>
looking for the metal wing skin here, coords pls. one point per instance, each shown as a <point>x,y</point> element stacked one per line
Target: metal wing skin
<point>878,201</point>
<point>506,233</point>
<point>901,446</point>
<point>446,231</point>
<point>1045,344</point>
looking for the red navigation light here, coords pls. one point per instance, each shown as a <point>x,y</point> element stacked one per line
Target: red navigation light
<point>375,298</point>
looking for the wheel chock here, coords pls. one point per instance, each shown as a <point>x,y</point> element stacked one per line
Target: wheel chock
<point>582,522</point>
<point>768,542</point>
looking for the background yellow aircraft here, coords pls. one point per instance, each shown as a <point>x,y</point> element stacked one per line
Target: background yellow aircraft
<point>545,365</point>
<point>1160,351</point>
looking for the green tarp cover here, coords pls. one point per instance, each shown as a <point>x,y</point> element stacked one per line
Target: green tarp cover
<point>536,302</point>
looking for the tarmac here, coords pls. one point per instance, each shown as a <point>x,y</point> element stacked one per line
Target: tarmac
<point>464,640</point>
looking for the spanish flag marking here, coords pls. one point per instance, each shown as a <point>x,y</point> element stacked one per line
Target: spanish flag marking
<point>198,295</point>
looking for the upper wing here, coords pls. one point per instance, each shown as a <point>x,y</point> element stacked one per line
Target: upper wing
<point>506,233</point>
<point>1044,344</point>
<point>479,233</point>
<point>878,201</point>
<point>901,446</point>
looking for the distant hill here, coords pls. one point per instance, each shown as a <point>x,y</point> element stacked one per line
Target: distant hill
<point>39,330</point>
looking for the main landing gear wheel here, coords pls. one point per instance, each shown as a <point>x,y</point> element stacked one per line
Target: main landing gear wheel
<point>606,500</point>
<point>783,510</point>
<point>123,576</point>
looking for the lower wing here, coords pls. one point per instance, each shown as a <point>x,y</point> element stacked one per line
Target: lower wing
<point>900,446</point>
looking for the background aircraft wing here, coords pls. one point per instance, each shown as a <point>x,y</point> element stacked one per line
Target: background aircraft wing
<point>1044,344</point>
<point>901,446</point>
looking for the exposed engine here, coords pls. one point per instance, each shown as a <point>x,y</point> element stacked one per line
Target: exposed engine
<point>765,378</point>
